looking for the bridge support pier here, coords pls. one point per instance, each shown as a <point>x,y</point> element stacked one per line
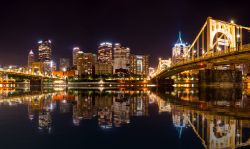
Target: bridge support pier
<point>210,77</point>
<point>163,81</point>
<point>37,82</point>
<point>210,66</point>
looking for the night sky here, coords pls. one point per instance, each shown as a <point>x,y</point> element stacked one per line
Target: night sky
<point>147,27</point>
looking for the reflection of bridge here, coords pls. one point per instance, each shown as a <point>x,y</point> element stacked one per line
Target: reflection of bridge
<point>218,43</point>
<point>215,130</point>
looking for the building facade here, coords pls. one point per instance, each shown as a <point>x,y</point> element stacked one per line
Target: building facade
<point>64,64</point>
<point>85,63</point>
<point>45,56</point>
<point>139,64</point>
<point>74,55</point>
<point>105,54</point>
<point>89,60</point>
<point>31,58</point>
<point>44,50</point>
<point>121,57</point>
<point>180,51</point>
<point>103,68</point>
<point>79,62</point>
<point>49,67</point>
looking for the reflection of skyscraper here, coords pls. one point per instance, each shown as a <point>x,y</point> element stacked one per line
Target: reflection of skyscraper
<point>77,116</point>
<point>180,120</point>
<point>105,118</point>
<point>64,106</point>
<point>121,110</point>
<point>44,120</point>
<point>139,105</point>
<point>83,109</point>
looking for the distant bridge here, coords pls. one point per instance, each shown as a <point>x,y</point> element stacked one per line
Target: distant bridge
<point>10,76</point>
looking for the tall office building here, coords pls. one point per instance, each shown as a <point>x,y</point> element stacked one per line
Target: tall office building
<point>105,54</point>
<point>64,64</point>
<point>179,51</point>
<point>121,57</point>
<point>31,58</point>
<point>79,62</point>
<point>85,63</point>
<point>89,60</point>
<point>49,66</point>
<point>139,64</point>
<point>44,50</point>
<point>74,54</point>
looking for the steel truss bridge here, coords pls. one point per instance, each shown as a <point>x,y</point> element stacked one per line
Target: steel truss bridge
<point>217,43</point>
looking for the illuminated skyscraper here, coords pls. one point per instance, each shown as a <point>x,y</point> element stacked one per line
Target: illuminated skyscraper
<point>139,64</point>
<point>85,63</point>
<point>31,58</point>
<point>49,66</point>
<point>105,53</point>
<point>180,50</point>
<point>121,57</point>
<point>79,62</point>
<point>74,54</point>
<point>89,60</point>
<point>44,50</point>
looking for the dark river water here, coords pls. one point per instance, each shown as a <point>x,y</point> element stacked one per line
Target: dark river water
<point>138,118</point>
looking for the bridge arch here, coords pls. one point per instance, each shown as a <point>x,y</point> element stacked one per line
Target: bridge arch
<point>221,41</point>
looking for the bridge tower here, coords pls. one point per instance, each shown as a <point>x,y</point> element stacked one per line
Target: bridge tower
<point>220,35</point>
<point>216,36</point>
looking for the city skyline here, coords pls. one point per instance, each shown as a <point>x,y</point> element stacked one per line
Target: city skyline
<point>86,24</point>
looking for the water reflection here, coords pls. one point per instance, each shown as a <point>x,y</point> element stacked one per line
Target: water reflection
<point>112,108</point>
<point>219,118</point>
